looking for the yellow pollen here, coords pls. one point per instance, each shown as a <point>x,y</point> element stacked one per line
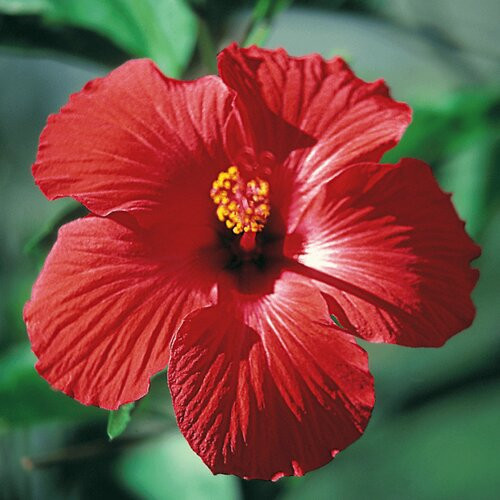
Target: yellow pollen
<point>242,206</point>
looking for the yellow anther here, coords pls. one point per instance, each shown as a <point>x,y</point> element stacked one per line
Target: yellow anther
<point>263,188</point>
<point>222,212</point>
<point>242,206</point>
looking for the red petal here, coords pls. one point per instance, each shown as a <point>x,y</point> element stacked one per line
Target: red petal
<point>350,120</point>
<point>104,308</point>
<point>392,254</point>
<point>117,144</point>
<point>268,387</point>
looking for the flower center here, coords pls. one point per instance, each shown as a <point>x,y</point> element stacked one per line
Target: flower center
<point>243,206</point>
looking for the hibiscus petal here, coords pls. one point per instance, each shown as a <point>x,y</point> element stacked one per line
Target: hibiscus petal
<point>268,387</point>
<point>119,144</point>
<point>104,308</point>
<point>387,247</point>
<point>348,119</point>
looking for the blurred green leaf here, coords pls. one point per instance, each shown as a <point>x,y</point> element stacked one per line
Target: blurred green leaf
<point>164,30</point>
<point>119,419</point>
<point>466,174</point>
<point>263,13</point>
<point>41,242</point>
<point>206,47</point>
<point>445,450</point>
<point>444,127</point>
<point>168,469</point>
<point>27,399</point>
<point>30,33</point>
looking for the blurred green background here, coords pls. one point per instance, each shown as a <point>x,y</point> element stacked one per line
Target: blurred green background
<point>435,431</point>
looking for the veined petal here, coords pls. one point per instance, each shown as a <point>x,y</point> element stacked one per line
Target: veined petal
<point>267,386</point>
<point>348,120</point>
<point>121,143</point>
<point>385,244</point>
<point>104,308</point>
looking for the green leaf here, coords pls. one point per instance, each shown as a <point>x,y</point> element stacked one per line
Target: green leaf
<point>119,419</point>
<point>164,30</point>
<point>27,399</point>
<point>168,469</point>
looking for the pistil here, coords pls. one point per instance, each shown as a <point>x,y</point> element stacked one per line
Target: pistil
<point>248,241</point>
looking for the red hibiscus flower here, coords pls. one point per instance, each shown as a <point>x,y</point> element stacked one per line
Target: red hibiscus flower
<point>230,219</point>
